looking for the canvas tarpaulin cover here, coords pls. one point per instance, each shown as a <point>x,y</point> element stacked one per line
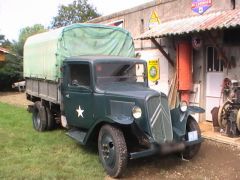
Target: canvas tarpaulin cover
<point>45,52</point>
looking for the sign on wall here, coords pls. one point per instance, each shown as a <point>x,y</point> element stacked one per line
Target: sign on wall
<point>200,6</point>
<point>154,20</point>
<point>153,70</point>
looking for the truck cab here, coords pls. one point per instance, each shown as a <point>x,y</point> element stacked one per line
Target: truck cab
<point>94,87</point>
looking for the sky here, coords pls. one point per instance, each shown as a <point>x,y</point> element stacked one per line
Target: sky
<point>17,14</point>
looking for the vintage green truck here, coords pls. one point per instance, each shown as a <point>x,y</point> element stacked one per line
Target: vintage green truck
<point>85,78</point>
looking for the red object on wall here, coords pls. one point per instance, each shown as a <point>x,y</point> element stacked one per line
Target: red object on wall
<point>184,69</point>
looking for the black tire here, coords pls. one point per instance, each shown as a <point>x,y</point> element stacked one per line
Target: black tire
<point>112,150</point>
<point>191,151</point>
<point>39,117</point>
<point>238,120</point>
<point>51,123</point>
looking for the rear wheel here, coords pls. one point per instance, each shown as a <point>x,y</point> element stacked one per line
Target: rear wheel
<point>191,151</point>
<point>39,117</point>
<point>112,150</point>
<point>51,123</point>
<point>238,120</point>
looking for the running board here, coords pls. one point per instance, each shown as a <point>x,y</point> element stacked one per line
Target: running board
<point>77,135</point>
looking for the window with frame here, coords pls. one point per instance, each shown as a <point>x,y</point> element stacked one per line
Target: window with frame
<point>214,63</point>
<point>79,75</point>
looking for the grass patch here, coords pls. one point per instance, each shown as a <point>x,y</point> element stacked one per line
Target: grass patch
<point>28,154</point>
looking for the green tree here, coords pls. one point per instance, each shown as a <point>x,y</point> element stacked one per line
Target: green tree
<point>78,12</point>
<point>12,69</point>
<point>4,42</point>
<point>24,34</point>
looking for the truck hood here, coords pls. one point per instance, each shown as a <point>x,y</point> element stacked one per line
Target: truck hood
<point>130,90</point>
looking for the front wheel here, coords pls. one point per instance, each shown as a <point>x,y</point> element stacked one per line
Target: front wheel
<point>191,151</point>
<point>112,150</point>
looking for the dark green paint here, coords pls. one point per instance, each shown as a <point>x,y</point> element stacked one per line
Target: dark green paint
<point>97,103</point>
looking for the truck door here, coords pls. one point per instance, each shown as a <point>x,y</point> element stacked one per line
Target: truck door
<point>78,95</point>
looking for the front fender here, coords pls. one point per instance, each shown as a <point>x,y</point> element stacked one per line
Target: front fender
<point>195,109</point>
<point>179,122</point>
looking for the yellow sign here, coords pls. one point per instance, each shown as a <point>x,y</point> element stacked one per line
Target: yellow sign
<point>154,20</point>
<point>153,70</point>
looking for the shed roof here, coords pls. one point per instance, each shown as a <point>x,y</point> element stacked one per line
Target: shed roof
<point>211,21</point>
<point>4,50</point>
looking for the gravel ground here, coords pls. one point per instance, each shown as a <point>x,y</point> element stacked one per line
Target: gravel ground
<point>214,161</point>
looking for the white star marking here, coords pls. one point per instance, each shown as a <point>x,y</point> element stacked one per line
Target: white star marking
<point>80,111</point>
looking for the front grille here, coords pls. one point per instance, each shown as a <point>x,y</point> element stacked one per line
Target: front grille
<point>160,119</point>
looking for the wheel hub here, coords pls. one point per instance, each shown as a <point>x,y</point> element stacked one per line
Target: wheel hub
<point>105,151</point>
<point>108,151</point>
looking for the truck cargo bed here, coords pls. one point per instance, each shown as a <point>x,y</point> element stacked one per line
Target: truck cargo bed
<point>47,90</point>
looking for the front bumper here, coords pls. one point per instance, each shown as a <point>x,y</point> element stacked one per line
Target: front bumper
<point>165,148</point>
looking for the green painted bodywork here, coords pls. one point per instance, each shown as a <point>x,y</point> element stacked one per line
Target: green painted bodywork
<point>179,120</point>
<point>95,102</point>
<point>98,103</point>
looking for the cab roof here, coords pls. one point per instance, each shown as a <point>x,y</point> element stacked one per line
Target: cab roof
<point>98,59</point>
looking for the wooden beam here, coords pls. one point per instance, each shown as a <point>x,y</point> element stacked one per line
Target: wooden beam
<point>162,51</point>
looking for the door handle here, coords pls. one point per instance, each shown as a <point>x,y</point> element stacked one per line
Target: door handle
<point>67,96</point>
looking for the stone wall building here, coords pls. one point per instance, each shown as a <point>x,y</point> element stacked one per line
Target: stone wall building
<point>195,40</point>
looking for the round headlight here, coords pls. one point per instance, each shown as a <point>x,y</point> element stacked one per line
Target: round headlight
<point>183,106</point>
<point>136,112</point>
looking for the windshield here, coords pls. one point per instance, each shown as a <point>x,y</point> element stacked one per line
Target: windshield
<point>126,72</point>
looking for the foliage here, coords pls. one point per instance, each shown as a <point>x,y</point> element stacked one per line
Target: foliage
<point>4,42</point>
<point>11,70</point>
<point>28,154</point>
<point>78,12</point>
<point>24,34</point>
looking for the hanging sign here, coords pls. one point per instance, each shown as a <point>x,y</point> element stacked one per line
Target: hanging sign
<point>153,70</point>
<point>200,6</point>
<point>154,20</point>
<point>196,42</point>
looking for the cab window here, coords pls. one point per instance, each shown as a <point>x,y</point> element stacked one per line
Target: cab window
<point>79,75</point>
